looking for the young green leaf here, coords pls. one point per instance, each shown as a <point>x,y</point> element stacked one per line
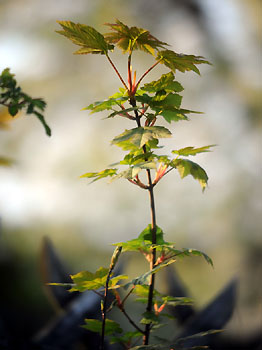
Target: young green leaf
<point>111,327</point>
<point>165,83</point>
<point>132,38</point>
<point>90,40</point>
<point>134,170</point>
<point>143,279</point>
<point>146,235</point>
<point>100,175</point>
<point>141,135</point>
<point>180,62</point>
<point>192,151</point>
<point>86,280</point>
<point>135,245</point>
<point>187,167</point>
<point>105,105</point>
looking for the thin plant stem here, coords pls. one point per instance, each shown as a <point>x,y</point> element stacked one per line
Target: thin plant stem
<point>131,321</point>
<point>149,70</point>
<point>117,72</point>
<point>153,258</point>
<point>153,230</point>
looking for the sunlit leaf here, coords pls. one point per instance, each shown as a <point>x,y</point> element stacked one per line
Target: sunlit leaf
<point>144,278</point>
<point>187,167</point>
<point>135,245</point>
<point>86,280</point>
<point>180,62</point>
<point>132,38</point>
<point>187,252</point>
<point>141,135</point>
<point>111,327</point>
<point>100,175</point>
<point>192,151</point>
<point>106,104</point>
<point>114,280</point>
<point>166,83</point>
<point>146,235</point>
<point>122,111</point>
<point>90,40</point>
<point>175,301</point>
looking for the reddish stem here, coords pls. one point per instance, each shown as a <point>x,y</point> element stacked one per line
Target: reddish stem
<point>142,77</point>
<point>117,72</point>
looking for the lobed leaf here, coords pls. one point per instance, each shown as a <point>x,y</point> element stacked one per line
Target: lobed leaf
<point>135,245</point>
<point>186,252</point>
<point>106,104</point>
<point>192,151</point>
<point>165,83</point>
<point>139,136</point>
<point>180,62</point>
<point>86,280</point>
<point>82,35</point>
<point>100,175</point>
<point>146,235</point>
<point>132,38</point>
<point>187,167</point>
<point>143,279</point>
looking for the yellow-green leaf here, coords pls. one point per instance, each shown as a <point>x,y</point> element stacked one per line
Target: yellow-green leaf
<point>90,40</point>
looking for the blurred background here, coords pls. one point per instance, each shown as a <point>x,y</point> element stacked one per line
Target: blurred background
<point>41,193</point>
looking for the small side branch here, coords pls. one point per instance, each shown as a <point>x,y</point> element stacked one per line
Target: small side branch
<point>117,72</point>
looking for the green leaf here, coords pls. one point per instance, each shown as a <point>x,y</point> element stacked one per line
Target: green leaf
<point>134,170</point>
<point>187,167</point>
<point>135,245</point>
<point>86,280</point>
<point>186,252</point>
<point>132,38</point>
<point>90,39</point>
<point>111,327</point>
<point>114,280</point>
<point>100,175</point>
<point>192,151</point>
<point>122,111</point>
<point>126,338</point>
<point>42,120</point>
<point>141,135</point>
<point>15,99</point>
<point>106,104</point>
<point>13,110</point>
<point>180,62</point>
<point>165,83</point>
<point>146,235</point>
<point>175,301</point>
<point>143,279</point>
<point>150,317</point>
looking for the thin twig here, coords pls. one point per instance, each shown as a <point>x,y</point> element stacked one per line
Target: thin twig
<point>149,70</point>
<point>117,72</point>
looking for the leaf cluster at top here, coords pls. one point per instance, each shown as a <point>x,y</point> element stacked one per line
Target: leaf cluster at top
<point>132,38</point>
<point>12,97</point>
